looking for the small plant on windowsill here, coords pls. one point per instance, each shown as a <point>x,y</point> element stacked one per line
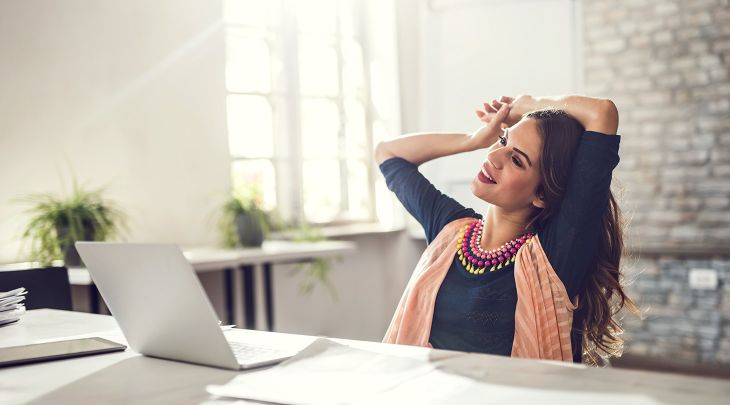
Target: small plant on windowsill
<point>57,223</point>
<point>244,223</point>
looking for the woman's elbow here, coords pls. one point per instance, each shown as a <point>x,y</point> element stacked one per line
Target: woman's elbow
<point>605,117</point>
<point>381,154</point>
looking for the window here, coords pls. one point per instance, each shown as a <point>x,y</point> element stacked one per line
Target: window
<point>301,119</point>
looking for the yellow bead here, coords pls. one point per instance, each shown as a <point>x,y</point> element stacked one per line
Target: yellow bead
<point>481,271</point>
<point>500,266</point>
<point>463,262</point>
<point>493,267</point>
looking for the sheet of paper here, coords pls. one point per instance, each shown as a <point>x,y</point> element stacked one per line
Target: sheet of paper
<point>330,373</point>
<point>324,373</point>
<point>12,293</point>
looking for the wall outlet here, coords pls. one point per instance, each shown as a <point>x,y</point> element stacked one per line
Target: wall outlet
<point>703,279</point>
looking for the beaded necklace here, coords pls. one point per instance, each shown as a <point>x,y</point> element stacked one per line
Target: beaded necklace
<point>476,260</point>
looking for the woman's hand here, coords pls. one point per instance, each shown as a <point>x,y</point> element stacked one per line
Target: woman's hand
<point>493,121</point>
<point>520,106</point>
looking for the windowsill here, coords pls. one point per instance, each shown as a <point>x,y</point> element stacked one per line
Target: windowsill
<point>361,229</point>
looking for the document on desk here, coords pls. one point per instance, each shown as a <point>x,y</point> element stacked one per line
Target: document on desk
<point>327,372</point>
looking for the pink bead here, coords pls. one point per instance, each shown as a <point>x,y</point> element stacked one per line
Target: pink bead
<point>481,263</point>
<point>517,246</point>
<point>494,262</point>
<point>513,250</point>
<point>501,259</point>
<point>507,255</point>
<point>473,261</point>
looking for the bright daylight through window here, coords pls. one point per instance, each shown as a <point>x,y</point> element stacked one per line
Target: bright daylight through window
<point>301,120</point>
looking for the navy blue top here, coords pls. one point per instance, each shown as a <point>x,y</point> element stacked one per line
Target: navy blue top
<point>476,312</point>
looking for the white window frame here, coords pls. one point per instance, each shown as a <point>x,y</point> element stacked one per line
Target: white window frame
<point>288,157</point>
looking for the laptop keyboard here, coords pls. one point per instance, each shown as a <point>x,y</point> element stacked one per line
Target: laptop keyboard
<point>247,353</point>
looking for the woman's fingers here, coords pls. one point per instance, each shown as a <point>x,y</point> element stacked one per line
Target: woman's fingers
<point>489,108</point>
<point>502,113</point>
<point>506,99</point>
<point>497,110</point>
<point>484,117</point>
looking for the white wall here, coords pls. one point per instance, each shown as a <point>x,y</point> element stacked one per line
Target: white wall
<point>128,94</point>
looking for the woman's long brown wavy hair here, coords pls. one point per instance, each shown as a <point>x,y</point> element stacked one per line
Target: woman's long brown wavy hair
<point>602,295</point>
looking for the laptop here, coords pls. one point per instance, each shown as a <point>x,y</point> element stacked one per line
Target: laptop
<point>155,296</point>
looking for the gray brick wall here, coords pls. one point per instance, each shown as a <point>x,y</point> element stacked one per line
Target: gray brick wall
<point>666,64</point>
<point>680,323</point>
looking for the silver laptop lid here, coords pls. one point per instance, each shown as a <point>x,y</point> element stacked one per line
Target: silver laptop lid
<point>155,296</point>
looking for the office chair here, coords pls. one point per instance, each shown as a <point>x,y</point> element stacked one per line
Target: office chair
<point>48,287</point>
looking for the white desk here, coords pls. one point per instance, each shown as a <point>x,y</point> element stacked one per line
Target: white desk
<point>247,262</point>
<point>129,378</point>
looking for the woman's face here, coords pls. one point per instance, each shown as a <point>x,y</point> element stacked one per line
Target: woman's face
<point>513,162</point>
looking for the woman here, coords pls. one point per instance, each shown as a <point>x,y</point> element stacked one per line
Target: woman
<point>544,256</point>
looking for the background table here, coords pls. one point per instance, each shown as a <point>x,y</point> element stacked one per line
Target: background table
<point>247,262</point>
<point>127,377</point>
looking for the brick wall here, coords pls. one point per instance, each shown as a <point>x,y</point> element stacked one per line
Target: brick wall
<point>666,64</point>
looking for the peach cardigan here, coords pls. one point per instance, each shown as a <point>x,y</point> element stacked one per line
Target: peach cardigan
<point>544,314</point>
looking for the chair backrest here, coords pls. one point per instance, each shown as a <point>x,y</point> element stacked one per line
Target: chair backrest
<point>48,287</point>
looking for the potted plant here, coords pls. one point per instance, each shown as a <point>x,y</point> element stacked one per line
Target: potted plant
<point>243,221</point>
<point>56,223</point>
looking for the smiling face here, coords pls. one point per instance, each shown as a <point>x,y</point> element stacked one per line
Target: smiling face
<point>513,163</point>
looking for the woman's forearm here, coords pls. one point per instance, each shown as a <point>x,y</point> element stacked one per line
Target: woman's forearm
<point>595,114</point>
<point>422,147</point>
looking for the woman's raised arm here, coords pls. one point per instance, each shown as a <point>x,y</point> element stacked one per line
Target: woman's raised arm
<point>595,114</point>
<point>420,148</point>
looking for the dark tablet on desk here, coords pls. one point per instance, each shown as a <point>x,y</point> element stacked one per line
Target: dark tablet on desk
<point>15,355</point>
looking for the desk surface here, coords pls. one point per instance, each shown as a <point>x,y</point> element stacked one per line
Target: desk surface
<point>130,378</point>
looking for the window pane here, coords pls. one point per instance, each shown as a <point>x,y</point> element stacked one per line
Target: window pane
<point>317,16</point>
<point>255,13</point>
<point>258,174</point>
<point>355,129</point>
<point>249,126</point>
<point>247,64</point>
<point>321,180</point>
<point>317,68</point>
<point>359,192</point>
<point>320,128</point>
<point>348,12</point>
<point>353,76</point>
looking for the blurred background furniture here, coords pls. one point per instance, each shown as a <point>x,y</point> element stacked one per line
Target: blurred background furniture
<point>48,286</point>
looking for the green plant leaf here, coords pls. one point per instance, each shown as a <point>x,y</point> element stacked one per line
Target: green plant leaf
<point>82,214</point>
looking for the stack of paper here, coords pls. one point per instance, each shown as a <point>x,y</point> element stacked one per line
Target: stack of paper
<point>11,305</point>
